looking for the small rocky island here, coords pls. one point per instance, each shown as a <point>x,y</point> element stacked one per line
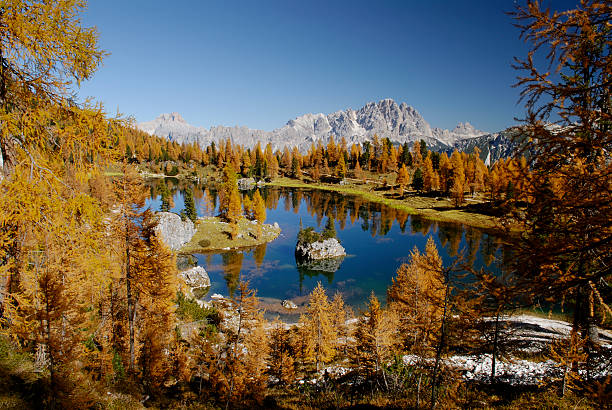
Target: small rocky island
<point>210,234</point>
<point>314,246</point>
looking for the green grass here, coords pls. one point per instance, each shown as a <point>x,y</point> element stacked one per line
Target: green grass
<point>216,234</point>
<point>189,310</point>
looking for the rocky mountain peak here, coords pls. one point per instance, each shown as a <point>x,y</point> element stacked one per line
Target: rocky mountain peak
<point>385,118</point>
<point>172,117</point>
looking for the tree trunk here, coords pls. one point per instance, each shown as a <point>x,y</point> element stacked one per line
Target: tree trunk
<point>494,355</point>
<point>130,299</point>
<point>440,344</point>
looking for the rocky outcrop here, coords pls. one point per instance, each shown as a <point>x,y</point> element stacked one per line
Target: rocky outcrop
<point>329,248</point>
<point>287,304</point>
<point>246,184</point>
<point>197,279</point>
<point>173,231</point>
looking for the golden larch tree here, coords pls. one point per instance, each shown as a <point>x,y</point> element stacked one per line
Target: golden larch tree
<point>317,328</point>
<point>259,211</point>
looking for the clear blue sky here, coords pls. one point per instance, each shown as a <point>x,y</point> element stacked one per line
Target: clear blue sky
<point>262,63</point>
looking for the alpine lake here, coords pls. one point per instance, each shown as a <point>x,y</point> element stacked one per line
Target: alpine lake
<point>377,239</point>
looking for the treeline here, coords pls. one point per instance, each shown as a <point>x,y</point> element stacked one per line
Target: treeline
<point>403,166</point>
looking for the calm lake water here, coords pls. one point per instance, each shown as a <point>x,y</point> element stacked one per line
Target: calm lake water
<point>377,239</point>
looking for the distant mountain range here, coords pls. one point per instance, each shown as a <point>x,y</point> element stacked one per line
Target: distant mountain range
<point>400,123</point>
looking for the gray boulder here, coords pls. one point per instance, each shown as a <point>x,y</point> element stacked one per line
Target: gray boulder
<point>173,231</point>
<point>246,184</point>
<point>287,304</point>
<point>329,248</point>
<point>198,280</point>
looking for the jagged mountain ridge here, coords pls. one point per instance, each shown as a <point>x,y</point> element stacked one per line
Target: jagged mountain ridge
<point>400,123</point>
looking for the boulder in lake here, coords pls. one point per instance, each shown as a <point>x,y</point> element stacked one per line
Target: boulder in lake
<point>328,248</point>
<point>173,231</point>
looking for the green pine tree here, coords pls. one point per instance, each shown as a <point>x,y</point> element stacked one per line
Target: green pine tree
<point>190,210</point>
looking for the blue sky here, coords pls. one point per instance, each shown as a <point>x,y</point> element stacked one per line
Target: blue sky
<point>262,63</point>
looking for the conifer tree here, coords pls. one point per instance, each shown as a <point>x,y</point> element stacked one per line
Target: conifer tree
<point>156,288</point>
<point>341,167</point>
<point>565,250</point>
<point>282,353</point>
<point>247,205</point>
<point>402,179</point>
<point>340,314</point>
<point>259,211</point>
<point>417,180</point>
<point>428,174</point>
<point>166,198</point>
<point>190,210</point>
<point>375,339</point>
<point>317,330</point>
<point>244,351</point>
<point>330,229</point>
<point>228,187</point>
<point>458,181</point>
<point>130,195</point>
<point>234,212</point>
<point>415,294</point>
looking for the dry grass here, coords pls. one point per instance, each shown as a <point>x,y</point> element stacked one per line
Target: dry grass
<point>212,235</point>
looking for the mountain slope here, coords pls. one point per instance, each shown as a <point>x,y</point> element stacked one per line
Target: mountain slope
<point>400,123</point>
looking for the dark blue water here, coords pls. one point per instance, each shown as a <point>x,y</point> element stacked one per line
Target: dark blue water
<point>377,239</point>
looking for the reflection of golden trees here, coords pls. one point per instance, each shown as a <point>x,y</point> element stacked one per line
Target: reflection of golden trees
<point>488,249</point>
<point>232,265</point>
<point>401,217</point>
<point>472,237</point>
<point>259,253</point>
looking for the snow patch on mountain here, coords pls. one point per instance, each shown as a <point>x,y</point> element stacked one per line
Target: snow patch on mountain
<point>400,123</point>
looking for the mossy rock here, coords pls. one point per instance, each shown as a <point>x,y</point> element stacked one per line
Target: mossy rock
<point>204,243</point>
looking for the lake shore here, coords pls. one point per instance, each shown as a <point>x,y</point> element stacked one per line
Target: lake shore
<point>437,209</point>
<point>213,235</point>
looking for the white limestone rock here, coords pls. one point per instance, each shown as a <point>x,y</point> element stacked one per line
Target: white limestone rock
<point>329,248</point>
<point>196,277</point>
<point>287,304</point>
<point>173,231</point>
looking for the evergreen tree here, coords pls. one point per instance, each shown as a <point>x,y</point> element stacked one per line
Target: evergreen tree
<point>417,180</point>
<point>189,210</point>
<point>330,229</point>
<point>166,197</point>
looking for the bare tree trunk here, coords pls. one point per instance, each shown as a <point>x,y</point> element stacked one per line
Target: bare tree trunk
<point>494,355</point>
<point>440,344</point>
<point>130,298</point>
